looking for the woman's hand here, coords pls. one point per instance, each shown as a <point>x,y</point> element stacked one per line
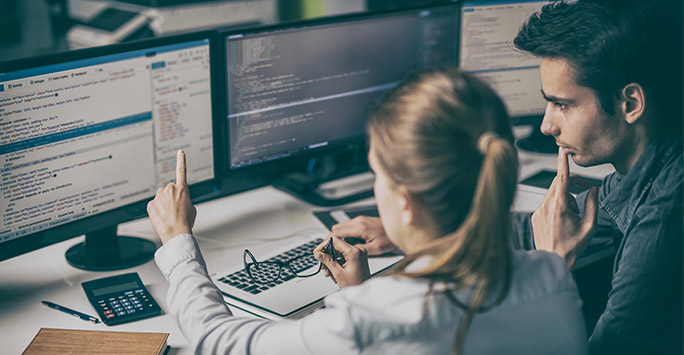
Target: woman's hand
<point>370,230</point>
<point>353,271</point>
<point>171,212</point>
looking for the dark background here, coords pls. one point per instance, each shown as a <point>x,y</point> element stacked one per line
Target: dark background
<point>37,27</point>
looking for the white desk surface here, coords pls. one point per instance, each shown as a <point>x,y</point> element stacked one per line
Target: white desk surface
<point>224,228</point>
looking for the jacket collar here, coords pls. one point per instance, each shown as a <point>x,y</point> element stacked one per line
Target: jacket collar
<point>627,191</point>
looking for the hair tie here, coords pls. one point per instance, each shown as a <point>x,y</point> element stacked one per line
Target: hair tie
<point>484,140</point>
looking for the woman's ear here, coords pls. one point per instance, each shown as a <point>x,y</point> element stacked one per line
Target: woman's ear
<point>406,208</point>
<point>633,102</point>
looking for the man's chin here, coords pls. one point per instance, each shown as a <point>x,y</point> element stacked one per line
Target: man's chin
<point>583,161</point>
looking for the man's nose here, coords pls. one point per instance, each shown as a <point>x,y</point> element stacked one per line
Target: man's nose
<point>549,126</point>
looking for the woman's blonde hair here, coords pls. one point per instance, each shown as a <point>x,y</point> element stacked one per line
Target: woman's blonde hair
<point>445,137</point>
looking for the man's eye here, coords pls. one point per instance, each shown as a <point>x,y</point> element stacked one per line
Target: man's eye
<point>561,106</point>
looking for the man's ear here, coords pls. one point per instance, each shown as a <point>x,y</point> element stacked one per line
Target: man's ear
<point>633,102</point>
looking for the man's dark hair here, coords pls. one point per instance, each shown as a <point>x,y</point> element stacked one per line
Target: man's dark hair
<point>611,43</point>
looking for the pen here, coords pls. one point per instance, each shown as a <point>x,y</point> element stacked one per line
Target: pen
<point>71,312</point>
<point>340,260</point>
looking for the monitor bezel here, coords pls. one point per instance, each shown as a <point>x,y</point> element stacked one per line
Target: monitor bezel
<point>272,169</point>
<point>200,191</point>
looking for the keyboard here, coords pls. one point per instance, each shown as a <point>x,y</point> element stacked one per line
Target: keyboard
<point>241,280</point>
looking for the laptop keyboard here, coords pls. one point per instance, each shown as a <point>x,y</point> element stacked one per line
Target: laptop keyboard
<point>241,280</point>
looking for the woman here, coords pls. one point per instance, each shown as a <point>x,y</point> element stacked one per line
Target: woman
<point>440,146</point>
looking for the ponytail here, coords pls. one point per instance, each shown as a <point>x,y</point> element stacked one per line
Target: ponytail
<point>445,136</point>
<point>478,254</point>
<point>489,222</point>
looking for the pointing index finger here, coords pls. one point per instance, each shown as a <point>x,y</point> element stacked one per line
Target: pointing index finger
<point>181,170</point>
<point>562,175</point>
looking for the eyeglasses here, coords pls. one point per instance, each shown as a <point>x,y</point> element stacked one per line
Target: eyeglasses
<point>265,272</point>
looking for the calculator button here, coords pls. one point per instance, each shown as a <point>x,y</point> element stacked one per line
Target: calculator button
<point>109,316</point>
<point>121,313</point>
<point>130,311</point>
<point>108,312</point>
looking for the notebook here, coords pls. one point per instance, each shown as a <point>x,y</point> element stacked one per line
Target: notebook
<point>332,217</point>
<point>73,341</point>
<point>289,296</point>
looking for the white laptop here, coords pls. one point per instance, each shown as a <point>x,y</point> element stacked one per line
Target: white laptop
<point>289,296</point>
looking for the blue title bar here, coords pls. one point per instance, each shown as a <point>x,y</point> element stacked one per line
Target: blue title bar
<point>72,133</point>
<point>149,52</point>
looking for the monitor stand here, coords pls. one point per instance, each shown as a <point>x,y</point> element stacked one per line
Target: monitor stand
<point>104,250</point>
<point>336,190</point>
<point>538,142</point>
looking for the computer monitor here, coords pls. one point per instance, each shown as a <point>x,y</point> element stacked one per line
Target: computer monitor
<point>488,28</point>
<point>304,89</point>
<point>87,137</point>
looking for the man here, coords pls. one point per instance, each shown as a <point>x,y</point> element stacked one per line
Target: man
<point>612,75</point>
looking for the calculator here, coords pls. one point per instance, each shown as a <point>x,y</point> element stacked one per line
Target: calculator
<point>121,299</point>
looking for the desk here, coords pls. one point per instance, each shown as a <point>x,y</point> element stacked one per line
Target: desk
<point>224,227</point>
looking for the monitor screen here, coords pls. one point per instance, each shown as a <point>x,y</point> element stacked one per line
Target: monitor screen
<point>488,28</point>
<point>82,137</point>
<point>310,86</point>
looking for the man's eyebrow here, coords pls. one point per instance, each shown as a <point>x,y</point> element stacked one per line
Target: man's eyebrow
<point>552,98</point>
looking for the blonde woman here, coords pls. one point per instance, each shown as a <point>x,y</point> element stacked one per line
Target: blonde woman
<point>440,147</point>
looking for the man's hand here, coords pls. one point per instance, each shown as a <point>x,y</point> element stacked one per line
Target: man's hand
<point>171,212</point>
<point>355,269</point>
<point>556,223</point>
<point>369,229</point>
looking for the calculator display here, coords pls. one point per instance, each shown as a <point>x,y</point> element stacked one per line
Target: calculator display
<point>114,288</point>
